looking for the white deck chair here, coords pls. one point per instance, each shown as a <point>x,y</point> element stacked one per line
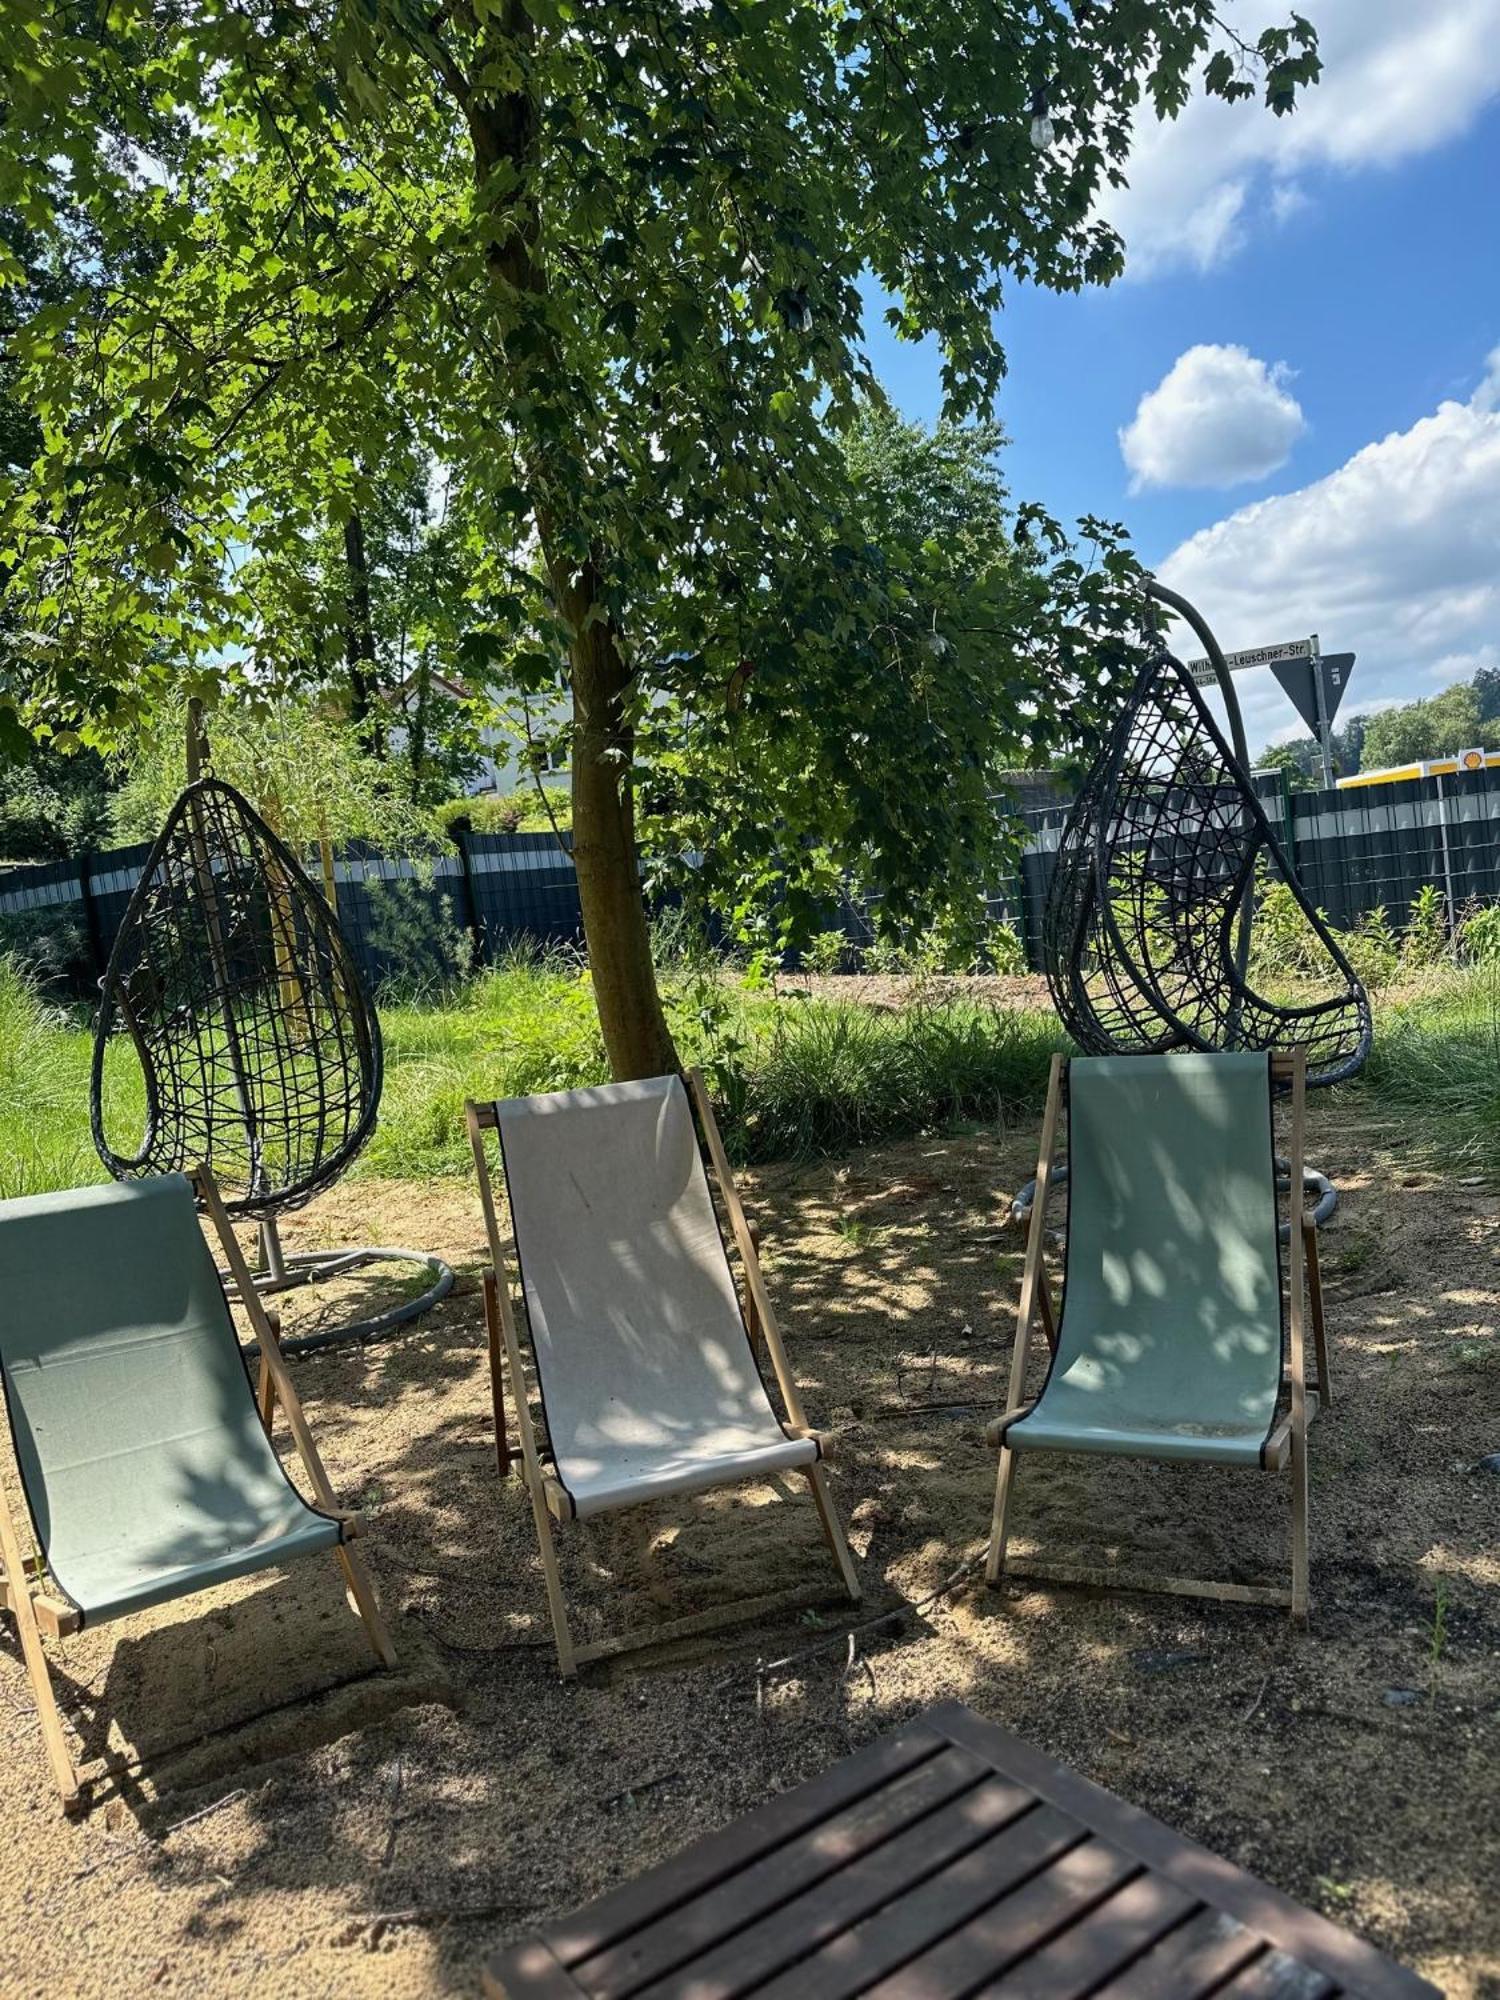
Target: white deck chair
<point>644,1367</point>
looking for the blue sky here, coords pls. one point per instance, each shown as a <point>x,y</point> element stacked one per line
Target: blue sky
<point>1304,359</point>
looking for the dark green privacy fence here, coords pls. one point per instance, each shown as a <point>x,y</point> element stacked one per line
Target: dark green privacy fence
<point>1375,847</point>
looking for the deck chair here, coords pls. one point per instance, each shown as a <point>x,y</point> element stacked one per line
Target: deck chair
<point>1175,1340</point>
<point>145,1465</point>
<point>645,1372</point>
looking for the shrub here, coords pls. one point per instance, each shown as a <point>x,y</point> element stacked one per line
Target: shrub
<point>1479,935</point>
<point>1424,941</point>
<point>827,953</point>
<point>1004,950</point>
<point>1372,948</point>
<point>485,814</point>
<point>414,938</point>
<point>510,812</point>
<point>47,946</point>
<point>1283,944</point>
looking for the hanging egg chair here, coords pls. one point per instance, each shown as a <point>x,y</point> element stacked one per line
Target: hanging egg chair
<point>1148,928</point>
<point>258,1047</point>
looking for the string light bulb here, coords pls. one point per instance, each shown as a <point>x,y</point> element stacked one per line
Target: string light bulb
<point>1043,131</point>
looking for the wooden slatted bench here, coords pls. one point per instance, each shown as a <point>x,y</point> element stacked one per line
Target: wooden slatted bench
<point>948,1859</point>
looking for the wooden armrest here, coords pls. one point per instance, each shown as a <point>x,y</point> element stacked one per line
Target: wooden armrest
<point>826,1441</point>
<point>995,1429</point>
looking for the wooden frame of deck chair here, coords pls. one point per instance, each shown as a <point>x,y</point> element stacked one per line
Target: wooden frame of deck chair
<point>1229,1355</point>
<point>142,1446</point>
<point>648,1204</point>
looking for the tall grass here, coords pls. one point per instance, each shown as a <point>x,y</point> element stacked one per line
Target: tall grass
<point>827,1076</point>
<point>44,1137</point>
<point>794,1075</point>
<point>1437,1055</point>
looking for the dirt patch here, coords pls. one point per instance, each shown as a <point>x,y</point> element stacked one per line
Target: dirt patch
<point>893,991</point>
<point>364,1834</point>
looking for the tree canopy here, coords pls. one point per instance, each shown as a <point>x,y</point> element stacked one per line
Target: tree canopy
<point>609,266</point>
<point>1436,727</point>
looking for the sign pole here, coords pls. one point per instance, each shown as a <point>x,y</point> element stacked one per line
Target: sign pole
<point>1319,697</point>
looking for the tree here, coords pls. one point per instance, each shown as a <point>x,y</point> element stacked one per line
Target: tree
<point>608,264</point>
<point>1291,758</point>
<point>1437,727</point>
<point>54,806</point>
<point>1486,686</point>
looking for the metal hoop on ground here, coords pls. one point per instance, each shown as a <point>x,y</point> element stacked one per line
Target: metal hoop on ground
<point>279,1272</point>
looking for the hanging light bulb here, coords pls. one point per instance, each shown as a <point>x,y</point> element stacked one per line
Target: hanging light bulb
<point>1043,132</point>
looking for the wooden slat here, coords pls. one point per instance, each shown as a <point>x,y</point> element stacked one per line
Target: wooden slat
<point>776,1878</point>
<point>785,1936</point>
<point>912,1922</point>
<point>528,1972</point>
<point>1279,1976</point>
<point>1189,1962</point>
<point>1111,1936</point>
<point>1013,1927</point>
<point>673,1882</point>
<point>1342,1957</point>
<point>950,1858</point>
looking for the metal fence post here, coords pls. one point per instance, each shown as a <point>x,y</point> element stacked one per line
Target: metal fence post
<point>98,958</point>
<point>471,897</point>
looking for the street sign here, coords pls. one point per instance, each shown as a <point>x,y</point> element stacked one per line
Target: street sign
<point>1334,670</point>
<point>1313,681</point>
<point>1253,656</point>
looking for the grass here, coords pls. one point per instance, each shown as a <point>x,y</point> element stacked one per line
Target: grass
<point>44,1077</point>
<point>793,1075</point>
<point>1437,1055</point>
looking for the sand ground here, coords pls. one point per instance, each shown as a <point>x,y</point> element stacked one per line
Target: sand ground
<point>283,1820</point>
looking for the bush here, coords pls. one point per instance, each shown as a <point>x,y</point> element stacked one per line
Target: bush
<point>512,812</point>
<point>49,947</point>
<point>1479,935</point>
<point>827,953</point>
<point>1372,948</point>
<point>1424,941</point>
<point>1284,945</point>
<point>414,938</point>
<point>485,814</point>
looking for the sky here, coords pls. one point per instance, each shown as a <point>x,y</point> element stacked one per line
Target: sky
<point>1292,398</point>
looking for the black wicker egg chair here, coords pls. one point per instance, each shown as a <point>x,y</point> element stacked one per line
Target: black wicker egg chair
<point>258,1047</point>
<point>1147,931</point>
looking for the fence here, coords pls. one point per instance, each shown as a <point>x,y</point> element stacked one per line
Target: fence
<point>399,914</point>
<point>1354,851</point>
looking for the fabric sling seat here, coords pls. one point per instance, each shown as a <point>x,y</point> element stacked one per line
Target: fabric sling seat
<point>146,1464</point>
<point>647,1377</point>
<point>1171,1343</point>
<point>647,1381</point>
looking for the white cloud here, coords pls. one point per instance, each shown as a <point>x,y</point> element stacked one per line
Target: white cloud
<point>1487,395</point>
<point>1400,77</point>
<point>1395,556</point>
<point>1217,417</point>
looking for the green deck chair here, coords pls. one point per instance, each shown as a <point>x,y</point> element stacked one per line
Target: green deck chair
<point>144,1458</point>
<point>1174,1342</point>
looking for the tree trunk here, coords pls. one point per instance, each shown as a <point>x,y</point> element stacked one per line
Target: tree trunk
<point>634,1024</point>
<point>359,635</point>
<point>615,928</point>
